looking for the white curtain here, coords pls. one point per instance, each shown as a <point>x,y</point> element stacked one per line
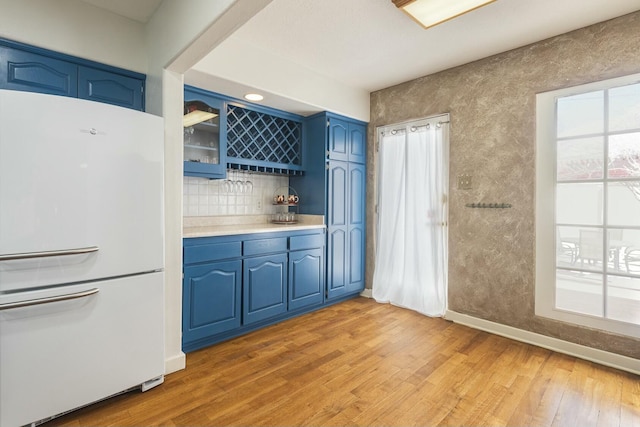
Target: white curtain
<point>411,249</point>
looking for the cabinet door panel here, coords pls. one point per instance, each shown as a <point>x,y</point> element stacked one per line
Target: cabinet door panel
<point>31,72</point>
<point>357,143</point>
<point>205,145</point>
<point>211,299</point>
<point>265,287</point>
<point>357,199</point>
<point>338,203</point>
<point>357,180</point>
<point>338,139</point>
<point>306,278</point>
<point>355,263</point>
<point>110,88</point>
<point>336,262</point>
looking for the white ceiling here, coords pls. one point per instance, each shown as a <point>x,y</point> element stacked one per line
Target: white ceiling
<point>371,45</point>
<point>138,10</point>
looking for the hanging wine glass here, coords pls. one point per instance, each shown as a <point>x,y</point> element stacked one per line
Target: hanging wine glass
<point>247,183</point>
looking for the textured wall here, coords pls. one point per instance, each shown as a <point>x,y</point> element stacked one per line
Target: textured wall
<point>492,137</point>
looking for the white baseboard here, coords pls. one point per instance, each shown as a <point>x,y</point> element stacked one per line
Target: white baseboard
<point>175,363</point>
<point>367,293</point>
<point>606,358</point>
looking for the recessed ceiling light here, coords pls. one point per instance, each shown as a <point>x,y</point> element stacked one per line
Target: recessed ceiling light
<point>253,97</point>
<point>433,12</point>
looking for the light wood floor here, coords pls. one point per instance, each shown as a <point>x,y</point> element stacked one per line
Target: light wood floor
<point>363,363</point>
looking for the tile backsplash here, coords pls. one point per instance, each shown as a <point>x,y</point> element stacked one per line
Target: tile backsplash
<point>242,193</point>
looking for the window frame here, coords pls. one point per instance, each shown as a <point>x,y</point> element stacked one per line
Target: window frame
<point>545,207</point>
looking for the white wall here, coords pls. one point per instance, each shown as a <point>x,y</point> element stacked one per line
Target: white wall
<point>178,37</point>
<point>75,28</point>
<point>170,32</point>
<point>172,106</point>
<point>293,81</point>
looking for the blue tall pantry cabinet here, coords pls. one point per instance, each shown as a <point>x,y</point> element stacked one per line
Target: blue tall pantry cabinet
<point>334,185</point>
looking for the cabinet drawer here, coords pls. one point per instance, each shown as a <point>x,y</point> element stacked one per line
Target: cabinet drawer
<point>212,252</point>
<point>265,246</point>
<point>309,241</point>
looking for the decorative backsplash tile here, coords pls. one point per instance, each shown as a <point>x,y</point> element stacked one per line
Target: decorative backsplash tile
<point>242,193</point>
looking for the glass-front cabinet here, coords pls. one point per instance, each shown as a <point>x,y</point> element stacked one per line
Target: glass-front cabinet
<point>205,140</point>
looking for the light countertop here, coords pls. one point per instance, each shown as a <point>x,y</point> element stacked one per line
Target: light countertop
<point>246,224</point>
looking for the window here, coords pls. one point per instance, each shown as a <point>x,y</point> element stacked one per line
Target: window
<point>588,205</point>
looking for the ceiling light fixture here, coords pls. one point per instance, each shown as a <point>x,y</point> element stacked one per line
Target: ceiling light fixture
<point>253,97</point>
<point>433,12</point>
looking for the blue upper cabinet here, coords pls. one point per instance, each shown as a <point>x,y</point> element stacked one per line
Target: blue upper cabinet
<point>110,88</point>
<point>30,72</point>
<point>338,135</point>
<point>347,140</point>
<point>251,137</point>
<point>259,137</point>
<point>357,143</point>
<point>32,69</point>
<point>205,135</point>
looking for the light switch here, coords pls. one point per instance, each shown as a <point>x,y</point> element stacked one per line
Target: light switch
<point>464,182</point>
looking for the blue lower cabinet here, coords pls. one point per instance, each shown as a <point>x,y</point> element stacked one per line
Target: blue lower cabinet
<point>306,278</point>
<point>236,284</point>
<point>211,299</point>
<point>264,287</point>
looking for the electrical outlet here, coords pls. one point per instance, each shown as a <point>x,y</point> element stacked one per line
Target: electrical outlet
<point>259,205</point>
<point>464,182</point>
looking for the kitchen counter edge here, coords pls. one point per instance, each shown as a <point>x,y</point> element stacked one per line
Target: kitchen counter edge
<point>230,230</point>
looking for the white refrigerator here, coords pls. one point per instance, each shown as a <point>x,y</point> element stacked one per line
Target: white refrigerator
<point>81,254</point>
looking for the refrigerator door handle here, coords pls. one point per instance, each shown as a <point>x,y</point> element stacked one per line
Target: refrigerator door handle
<point>63,252</point>
<point>57,298</point>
